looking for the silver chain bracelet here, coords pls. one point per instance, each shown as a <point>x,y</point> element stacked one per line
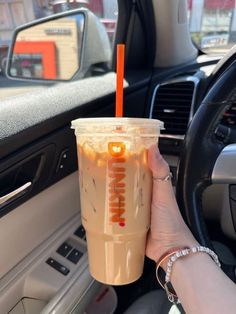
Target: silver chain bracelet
<point>173,257</point>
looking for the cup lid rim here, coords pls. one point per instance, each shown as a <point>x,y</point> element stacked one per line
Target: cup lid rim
<point>146,122</point>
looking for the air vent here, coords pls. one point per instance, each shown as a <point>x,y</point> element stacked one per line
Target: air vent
<point>172,104</point>
<point>229,118</point>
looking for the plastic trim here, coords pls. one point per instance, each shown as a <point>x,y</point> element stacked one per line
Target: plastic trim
<point>224,170</point>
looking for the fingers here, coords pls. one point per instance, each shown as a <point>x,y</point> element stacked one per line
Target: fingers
<point>163,194</point>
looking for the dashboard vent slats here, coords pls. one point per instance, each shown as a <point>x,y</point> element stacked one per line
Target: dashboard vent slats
<point>172,105</point>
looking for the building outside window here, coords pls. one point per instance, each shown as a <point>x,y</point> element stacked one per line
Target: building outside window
<point>212,22</point>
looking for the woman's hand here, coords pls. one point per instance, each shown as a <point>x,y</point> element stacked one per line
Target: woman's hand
<point>168,229</point>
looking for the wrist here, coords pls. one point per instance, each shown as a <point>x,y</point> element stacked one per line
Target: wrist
<point>180,257</point>
<point>184,239</point>
<point>185,242</point>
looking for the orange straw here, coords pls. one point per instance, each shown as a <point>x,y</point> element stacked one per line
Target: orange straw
<point>120,58</point>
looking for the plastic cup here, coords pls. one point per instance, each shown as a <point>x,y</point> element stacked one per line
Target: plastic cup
<point>115,193</point>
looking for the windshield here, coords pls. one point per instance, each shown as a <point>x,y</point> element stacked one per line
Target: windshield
<point>213,24</point>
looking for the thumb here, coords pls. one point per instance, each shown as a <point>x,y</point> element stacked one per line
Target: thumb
<point>157,164</point>
<point>163,194</point>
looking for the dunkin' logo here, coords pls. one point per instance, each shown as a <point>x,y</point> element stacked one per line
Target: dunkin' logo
<point>116,185</point>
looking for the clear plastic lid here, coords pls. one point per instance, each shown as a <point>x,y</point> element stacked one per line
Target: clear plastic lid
<point>121,126</point>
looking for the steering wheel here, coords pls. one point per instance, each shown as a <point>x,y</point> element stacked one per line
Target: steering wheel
<point>207,155</point>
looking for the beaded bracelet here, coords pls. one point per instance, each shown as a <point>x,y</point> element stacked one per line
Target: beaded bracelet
<point>173,255</point>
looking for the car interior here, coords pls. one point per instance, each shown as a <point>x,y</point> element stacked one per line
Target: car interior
<point>44,264</point>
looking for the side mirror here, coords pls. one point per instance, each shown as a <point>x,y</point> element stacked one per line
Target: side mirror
<point>61,47</point>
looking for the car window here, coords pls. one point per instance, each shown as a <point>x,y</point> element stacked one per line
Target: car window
<point>14,13</point>
<point>106,10</point>
<point>213,24</point>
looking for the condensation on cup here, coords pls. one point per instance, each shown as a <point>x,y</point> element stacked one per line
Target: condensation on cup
<point>115,192</point>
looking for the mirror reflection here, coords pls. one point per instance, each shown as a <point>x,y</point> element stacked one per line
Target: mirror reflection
<point>50,50</point>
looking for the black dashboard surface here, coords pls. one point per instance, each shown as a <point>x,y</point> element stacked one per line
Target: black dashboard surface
<point>27,117</point>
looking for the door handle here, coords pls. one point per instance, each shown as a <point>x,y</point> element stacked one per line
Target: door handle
<point>18,191</point>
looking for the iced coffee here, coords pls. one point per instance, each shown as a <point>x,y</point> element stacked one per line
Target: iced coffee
<point>115,192</point>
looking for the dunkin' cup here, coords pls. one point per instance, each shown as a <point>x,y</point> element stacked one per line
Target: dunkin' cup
<point>115,193</point>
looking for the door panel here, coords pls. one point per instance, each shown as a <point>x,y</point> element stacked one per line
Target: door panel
<point>34,231</point>
<point>33,222</point>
